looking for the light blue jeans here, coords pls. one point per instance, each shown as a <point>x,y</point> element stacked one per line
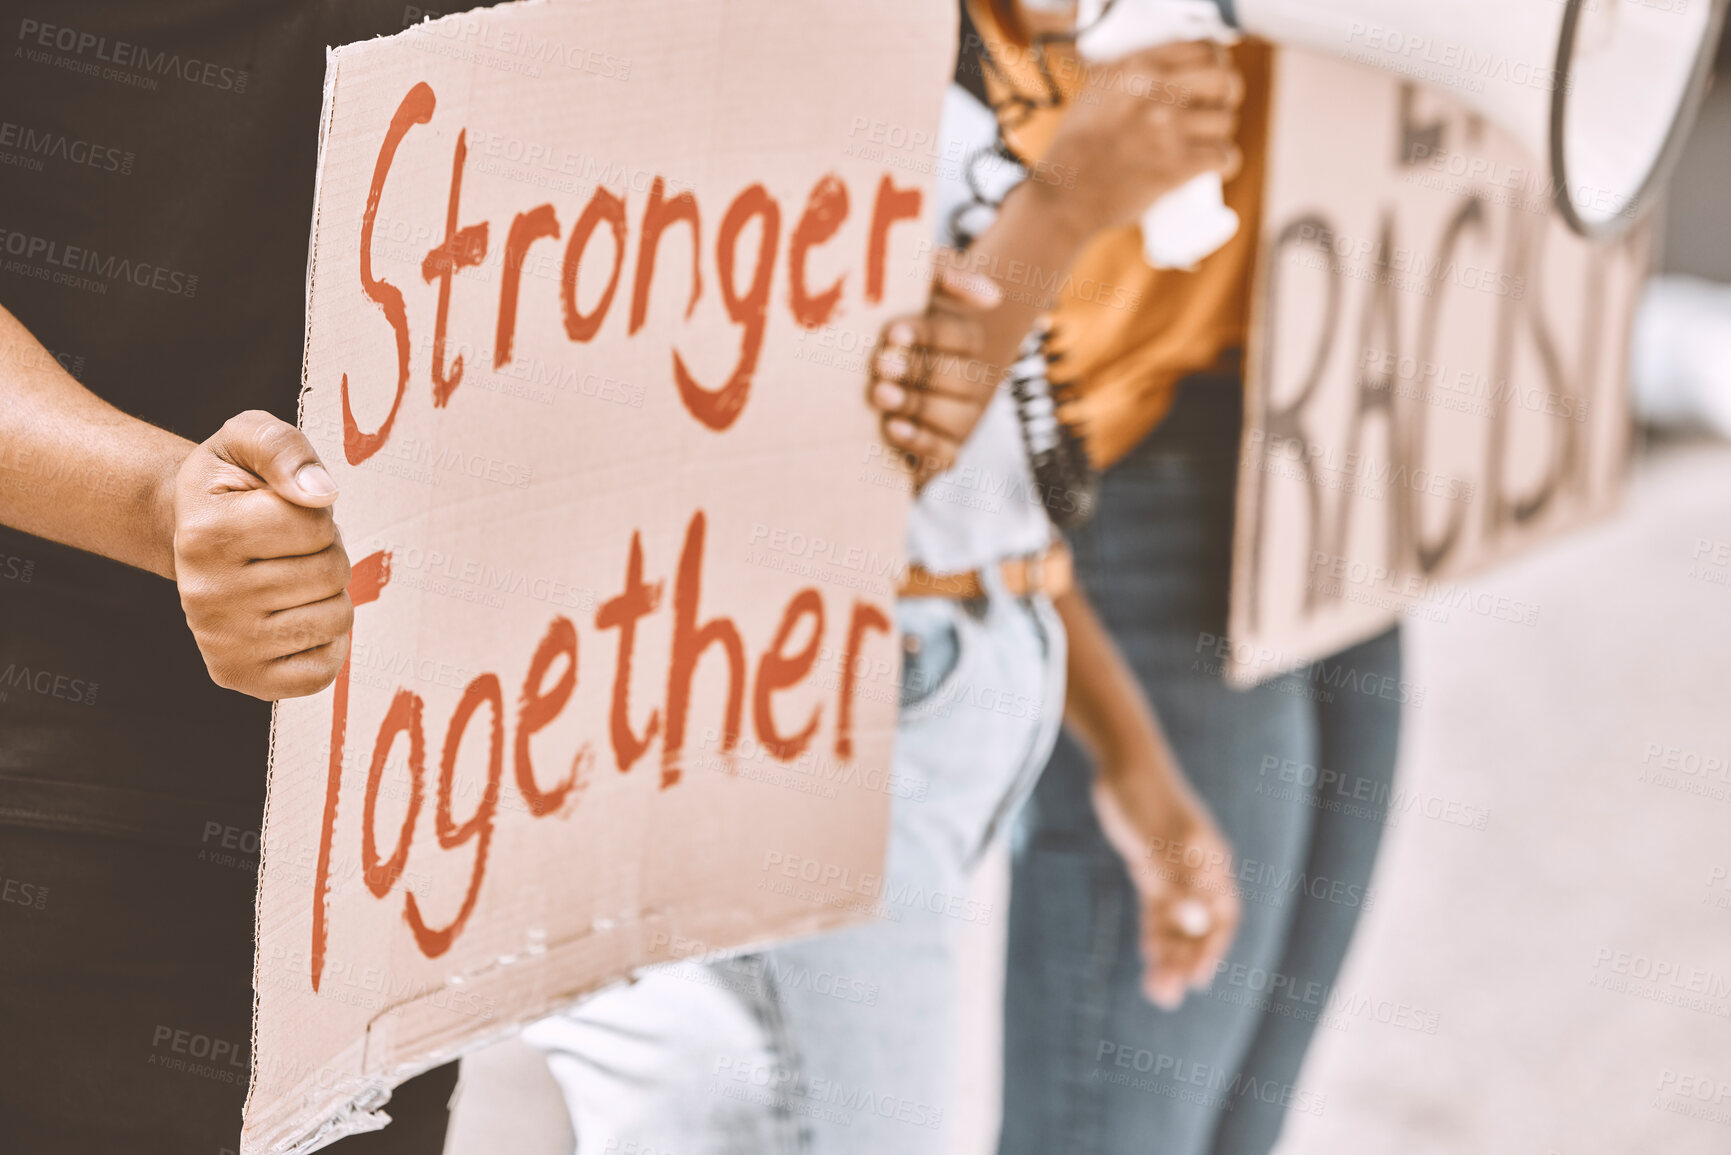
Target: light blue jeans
<point>844,1043</point>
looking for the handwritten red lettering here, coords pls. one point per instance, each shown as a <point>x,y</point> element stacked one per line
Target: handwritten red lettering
<point>539,708</point>
<point>721,408</point>
<point>623,613</point>
<point>603,206</point>
<point>657,215</point>
<point>825,210</point>
<point>367,579</point>
<point>484,689</point>
<point>526,229</point>
<point>549,684</point>
<point>416,108</point>
<point>778,671</point>
<point>867,619</point>
<point>404,717</point>
<point>689,642</point>
<point>893,204</point>
<point>460,249</point>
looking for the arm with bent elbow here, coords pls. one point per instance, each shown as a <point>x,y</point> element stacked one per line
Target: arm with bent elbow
<point>1115,153</point>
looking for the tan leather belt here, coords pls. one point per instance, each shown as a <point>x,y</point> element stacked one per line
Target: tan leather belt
<point>1051,573</point>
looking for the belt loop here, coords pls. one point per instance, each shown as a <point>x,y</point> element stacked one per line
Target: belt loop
<point>998,594</point>
<point>1034,573</point>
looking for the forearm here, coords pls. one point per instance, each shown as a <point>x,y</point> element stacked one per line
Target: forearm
<point>1176,858</point>
<point>76,470</point>
<point>1026,250</point>
<point>1104,707</point>
<point>1107,712</point>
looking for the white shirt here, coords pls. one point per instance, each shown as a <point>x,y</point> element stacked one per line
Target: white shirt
<point>987,507</point>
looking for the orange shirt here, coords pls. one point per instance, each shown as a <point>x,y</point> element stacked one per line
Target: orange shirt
<point>1126,333</point>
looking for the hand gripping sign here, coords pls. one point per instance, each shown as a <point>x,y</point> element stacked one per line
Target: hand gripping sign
<point>622,673</point>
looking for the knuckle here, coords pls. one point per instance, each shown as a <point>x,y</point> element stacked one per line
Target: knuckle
<point>321,522</point>
<point>342,569</point>
<point>302,685</point>
<point>244,422</point>
<point>225,672</point>
<point>344,617</point>
<point>198,593</point>
<point>306,531</point>
<point>199,536</point>
<point>327,674</point>
<point>276,439</point>
<point>315,675</point>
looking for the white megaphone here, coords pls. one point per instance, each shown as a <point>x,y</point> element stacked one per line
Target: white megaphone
<point>1603,91</point>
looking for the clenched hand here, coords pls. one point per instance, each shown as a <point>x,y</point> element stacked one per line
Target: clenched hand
<point>262,572</point>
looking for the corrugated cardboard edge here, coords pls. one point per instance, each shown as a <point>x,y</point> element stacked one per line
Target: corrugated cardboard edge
<point>361,1114</point>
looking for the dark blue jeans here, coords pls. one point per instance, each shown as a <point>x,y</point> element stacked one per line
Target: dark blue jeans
<point>1297,771</point>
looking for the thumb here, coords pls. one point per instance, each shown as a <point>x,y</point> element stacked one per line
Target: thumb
<point>278,454</point>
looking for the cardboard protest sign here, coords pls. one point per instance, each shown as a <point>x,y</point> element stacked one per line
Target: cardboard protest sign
<point>1436,369</point>
<point>596,712</point>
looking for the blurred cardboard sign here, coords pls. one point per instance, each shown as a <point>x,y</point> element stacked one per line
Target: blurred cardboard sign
<point>606,702</point>
<point>1436,370</point>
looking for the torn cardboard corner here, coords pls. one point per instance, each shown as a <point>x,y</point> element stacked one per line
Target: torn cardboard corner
<point>1436,376</point>
<point>577,286</point>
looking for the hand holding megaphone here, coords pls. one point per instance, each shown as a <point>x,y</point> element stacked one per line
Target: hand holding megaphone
<point>1192,221</point>
<point>1600,92</point>
<point>1139,132</point>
